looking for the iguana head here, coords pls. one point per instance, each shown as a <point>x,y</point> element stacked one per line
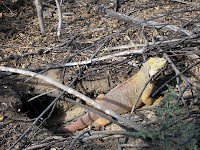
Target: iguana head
<point>155,64</point>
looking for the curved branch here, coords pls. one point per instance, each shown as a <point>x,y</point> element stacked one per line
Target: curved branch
<point>77,94</point>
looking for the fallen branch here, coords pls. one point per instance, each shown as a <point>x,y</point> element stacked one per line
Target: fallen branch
<point>106,133</point>
<point>41,94</point>
<point>125,18</point>
<point>76,93</point>
<point>39,146</point>
<point>142,45</point>
<point>128,52</point>
<point>39,51</point>
<point>179,1</point>
<point>134,145</point>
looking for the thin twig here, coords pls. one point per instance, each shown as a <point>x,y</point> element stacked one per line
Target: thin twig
<point>77,138</point>
<point>184,2</point>
<point>134,145</point>
<point>128,52</point>
<point>39,146</point>
<point>65,44</point>
<point>15,56</point>
<point>142,45</point>
<point>118,143</point>
<point>41,94</point>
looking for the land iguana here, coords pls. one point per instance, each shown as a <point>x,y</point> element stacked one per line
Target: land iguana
<point>121,98</point>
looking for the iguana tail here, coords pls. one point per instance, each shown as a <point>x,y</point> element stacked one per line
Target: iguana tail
<point>81,123</point>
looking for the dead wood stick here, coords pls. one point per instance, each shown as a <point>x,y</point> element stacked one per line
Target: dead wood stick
<point>134,145</point>
<point>128,52</point>
<point>38,146</point>
<point>77,94</point>
<point>60,18</point>
<point>128,19</point>
<point>112,132</point>
<point>77,138</point>
<point>191,96</point>
<point>137,100</point>
<point>142,45</point>
<point>38,4</point>
<point>41,94</point>
<point>179,1</point>
<point>25,47</point>
<point>52,140</point>
<point>177,71</point>
<point>39,51</point>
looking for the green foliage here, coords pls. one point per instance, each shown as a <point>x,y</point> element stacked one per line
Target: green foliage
<point>171,126</point>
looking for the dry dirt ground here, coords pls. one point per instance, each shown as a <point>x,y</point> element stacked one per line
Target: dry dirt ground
<point>23,46</point>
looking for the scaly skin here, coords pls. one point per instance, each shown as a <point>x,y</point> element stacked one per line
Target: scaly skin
<point>121,98</point>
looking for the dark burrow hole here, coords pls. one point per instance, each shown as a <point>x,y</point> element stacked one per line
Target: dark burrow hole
<point>36,106</point>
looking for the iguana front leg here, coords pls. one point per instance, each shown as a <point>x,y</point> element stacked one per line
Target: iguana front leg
<point>157,101</point>
<point>98,98</point>
<point>145,98</point>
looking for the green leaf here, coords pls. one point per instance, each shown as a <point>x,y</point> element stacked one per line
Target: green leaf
<point>150,135</point>
<point>144,136</point>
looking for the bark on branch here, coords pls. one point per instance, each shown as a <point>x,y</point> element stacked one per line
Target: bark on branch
<point>125,18</point>
<point>38,4</point>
